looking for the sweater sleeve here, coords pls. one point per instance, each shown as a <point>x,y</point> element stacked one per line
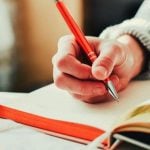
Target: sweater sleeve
<point>144,11</point>
<point>139,28</point>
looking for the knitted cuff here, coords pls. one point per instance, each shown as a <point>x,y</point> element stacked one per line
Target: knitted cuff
<point>138,28</point>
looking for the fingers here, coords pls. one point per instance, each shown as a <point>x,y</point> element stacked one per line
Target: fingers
<point>67,59</point>
<point>96,98</point>
<point>70,65</point>
<point>92,99</point>
<point>111,55</point>
<point>80,87</point>
<point>85,90</point>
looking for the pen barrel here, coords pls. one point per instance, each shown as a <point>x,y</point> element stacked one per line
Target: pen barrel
<point>76,31</point>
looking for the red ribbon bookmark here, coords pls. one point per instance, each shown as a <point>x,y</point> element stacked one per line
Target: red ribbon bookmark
<point>75,130</point>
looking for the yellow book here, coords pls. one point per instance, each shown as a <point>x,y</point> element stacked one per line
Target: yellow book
<point>133,127</point>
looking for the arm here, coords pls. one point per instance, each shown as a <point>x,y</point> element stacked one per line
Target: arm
<point>137,28</point>
<point>120,50</point>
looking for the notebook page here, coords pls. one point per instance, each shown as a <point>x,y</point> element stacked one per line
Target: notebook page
<point>52,102</point>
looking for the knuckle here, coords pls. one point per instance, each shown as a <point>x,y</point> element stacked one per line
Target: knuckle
<point>119,50</point>
<point>65,38</point>
<point>124,83</point>
<point>115,48</point>
<point>54,59</point>
<point>85,89</point>
<point>59,80</point>
<point>59,61</point>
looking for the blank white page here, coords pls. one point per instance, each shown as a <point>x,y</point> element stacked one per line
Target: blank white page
<point>54,103</point>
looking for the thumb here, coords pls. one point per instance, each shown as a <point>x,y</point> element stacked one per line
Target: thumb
<point>110,56</point>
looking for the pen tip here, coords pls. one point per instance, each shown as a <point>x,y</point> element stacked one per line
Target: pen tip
<point>112,90</point>
<point>115,95</point>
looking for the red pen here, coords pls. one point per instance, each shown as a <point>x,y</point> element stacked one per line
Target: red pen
<point>83,42</point>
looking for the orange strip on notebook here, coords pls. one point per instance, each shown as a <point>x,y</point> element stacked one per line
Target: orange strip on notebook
<point>62,127</point>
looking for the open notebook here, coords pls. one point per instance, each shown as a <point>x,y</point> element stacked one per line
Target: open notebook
<point>55,112</point>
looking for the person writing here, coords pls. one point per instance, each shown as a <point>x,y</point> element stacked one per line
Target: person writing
<point>122,52</point>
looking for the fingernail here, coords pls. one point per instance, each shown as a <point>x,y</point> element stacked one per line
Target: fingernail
<point>101,72</point>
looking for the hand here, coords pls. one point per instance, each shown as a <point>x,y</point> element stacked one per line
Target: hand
<point>120,60</point>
